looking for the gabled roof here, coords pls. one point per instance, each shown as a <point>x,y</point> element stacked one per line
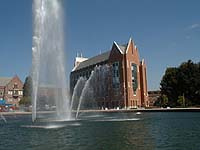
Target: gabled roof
<point>129,42</point>
<point>4,81</point>
<point>94,60</point>
<point>123,48</point>
<point>102,57</point>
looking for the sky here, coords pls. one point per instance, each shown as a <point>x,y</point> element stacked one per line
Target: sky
<point>166,32</point>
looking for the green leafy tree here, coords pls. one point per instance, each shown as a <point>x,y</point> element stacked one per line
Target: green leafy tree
<point>26,101</point>
<point>27,91</point>
<point>183,79</point>
<point>164,100</point>
<point>181,101</point>
<point>169,85</point>
<point>27,87</point>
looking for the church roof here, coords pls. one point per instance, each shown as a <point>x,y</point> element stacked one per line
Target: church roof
<point>123,47</point>
<point>100,58</point>
<point>94,60</point>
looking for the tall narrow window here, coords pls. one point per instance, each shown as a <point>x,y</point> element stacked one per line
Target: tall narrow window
<point>115,75</point>
<point>134,77</point>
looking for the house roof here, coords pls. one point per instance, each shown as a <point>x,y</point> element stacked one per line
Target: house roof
<point>4,81</point>
<point>94,60</point>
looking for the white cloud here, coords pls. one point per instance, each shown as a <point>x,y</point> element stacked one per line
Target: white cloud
<point>194,26</point>
<point>191,31</point>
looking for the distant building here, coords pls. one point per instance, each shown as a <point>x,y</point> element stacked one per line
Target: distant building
<point>153,97</point>
<point>11,90</point>
<point>126,84</point>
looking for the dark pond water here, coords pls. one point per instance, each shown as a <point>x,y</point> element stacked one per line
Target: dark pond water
<point>104,131</point>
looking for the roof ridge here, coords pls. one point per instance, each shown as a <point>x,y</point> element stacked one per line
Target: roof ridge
<point>96,59</point>
<point>5,77</point>
<point>99,54</point>
<point>4,81</point>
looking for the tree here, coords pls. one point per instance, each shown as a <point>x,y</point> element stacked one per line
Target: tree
<point>164,100</point>
<point>169,84</point>
<point>27,91</point>
<point>183,79</point>
<point>26,101</point>
<point>181,101</point>
<point>27,87</point>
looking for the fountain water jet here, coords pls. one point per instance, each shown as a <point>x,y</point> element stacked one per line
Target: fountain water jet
<point>48,69</point>
<point>95,86</point>
<point>86,86</point>
<point>77,92</point>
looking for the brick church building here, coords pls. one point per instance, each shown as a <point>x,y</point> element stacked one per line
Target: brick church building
<point>126,84</point>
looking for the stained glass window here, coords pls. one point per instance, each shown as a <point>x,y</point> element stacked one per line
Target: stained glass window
<point>134,77</point>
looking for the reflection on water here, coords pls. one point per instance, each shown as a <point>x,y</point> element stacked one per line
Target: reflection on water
<point>112,131</point>
<point>43,126</point>
<point>118,119</point>
<point>3,118</point>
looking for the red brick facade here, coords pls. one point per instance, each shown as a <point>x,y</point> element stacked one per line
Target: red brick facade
<point>132,90</point>
<point>11,90</point>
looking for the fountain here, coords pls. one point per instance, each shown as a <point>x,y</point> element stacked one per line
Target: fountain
<point>95,86</point>
<point>85,89</point>
<point>48,69</point>
<point>77,93</point>
<point>48,62</point>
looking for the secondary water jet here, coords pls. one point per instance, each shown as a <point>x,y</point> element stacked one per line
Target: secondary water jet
<point>77,92</point>
<point>94,87</point>
<point>86,86</point>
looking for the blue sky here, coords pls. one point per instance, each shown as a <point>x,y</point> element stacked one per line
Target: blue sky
<point>166,32</point>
